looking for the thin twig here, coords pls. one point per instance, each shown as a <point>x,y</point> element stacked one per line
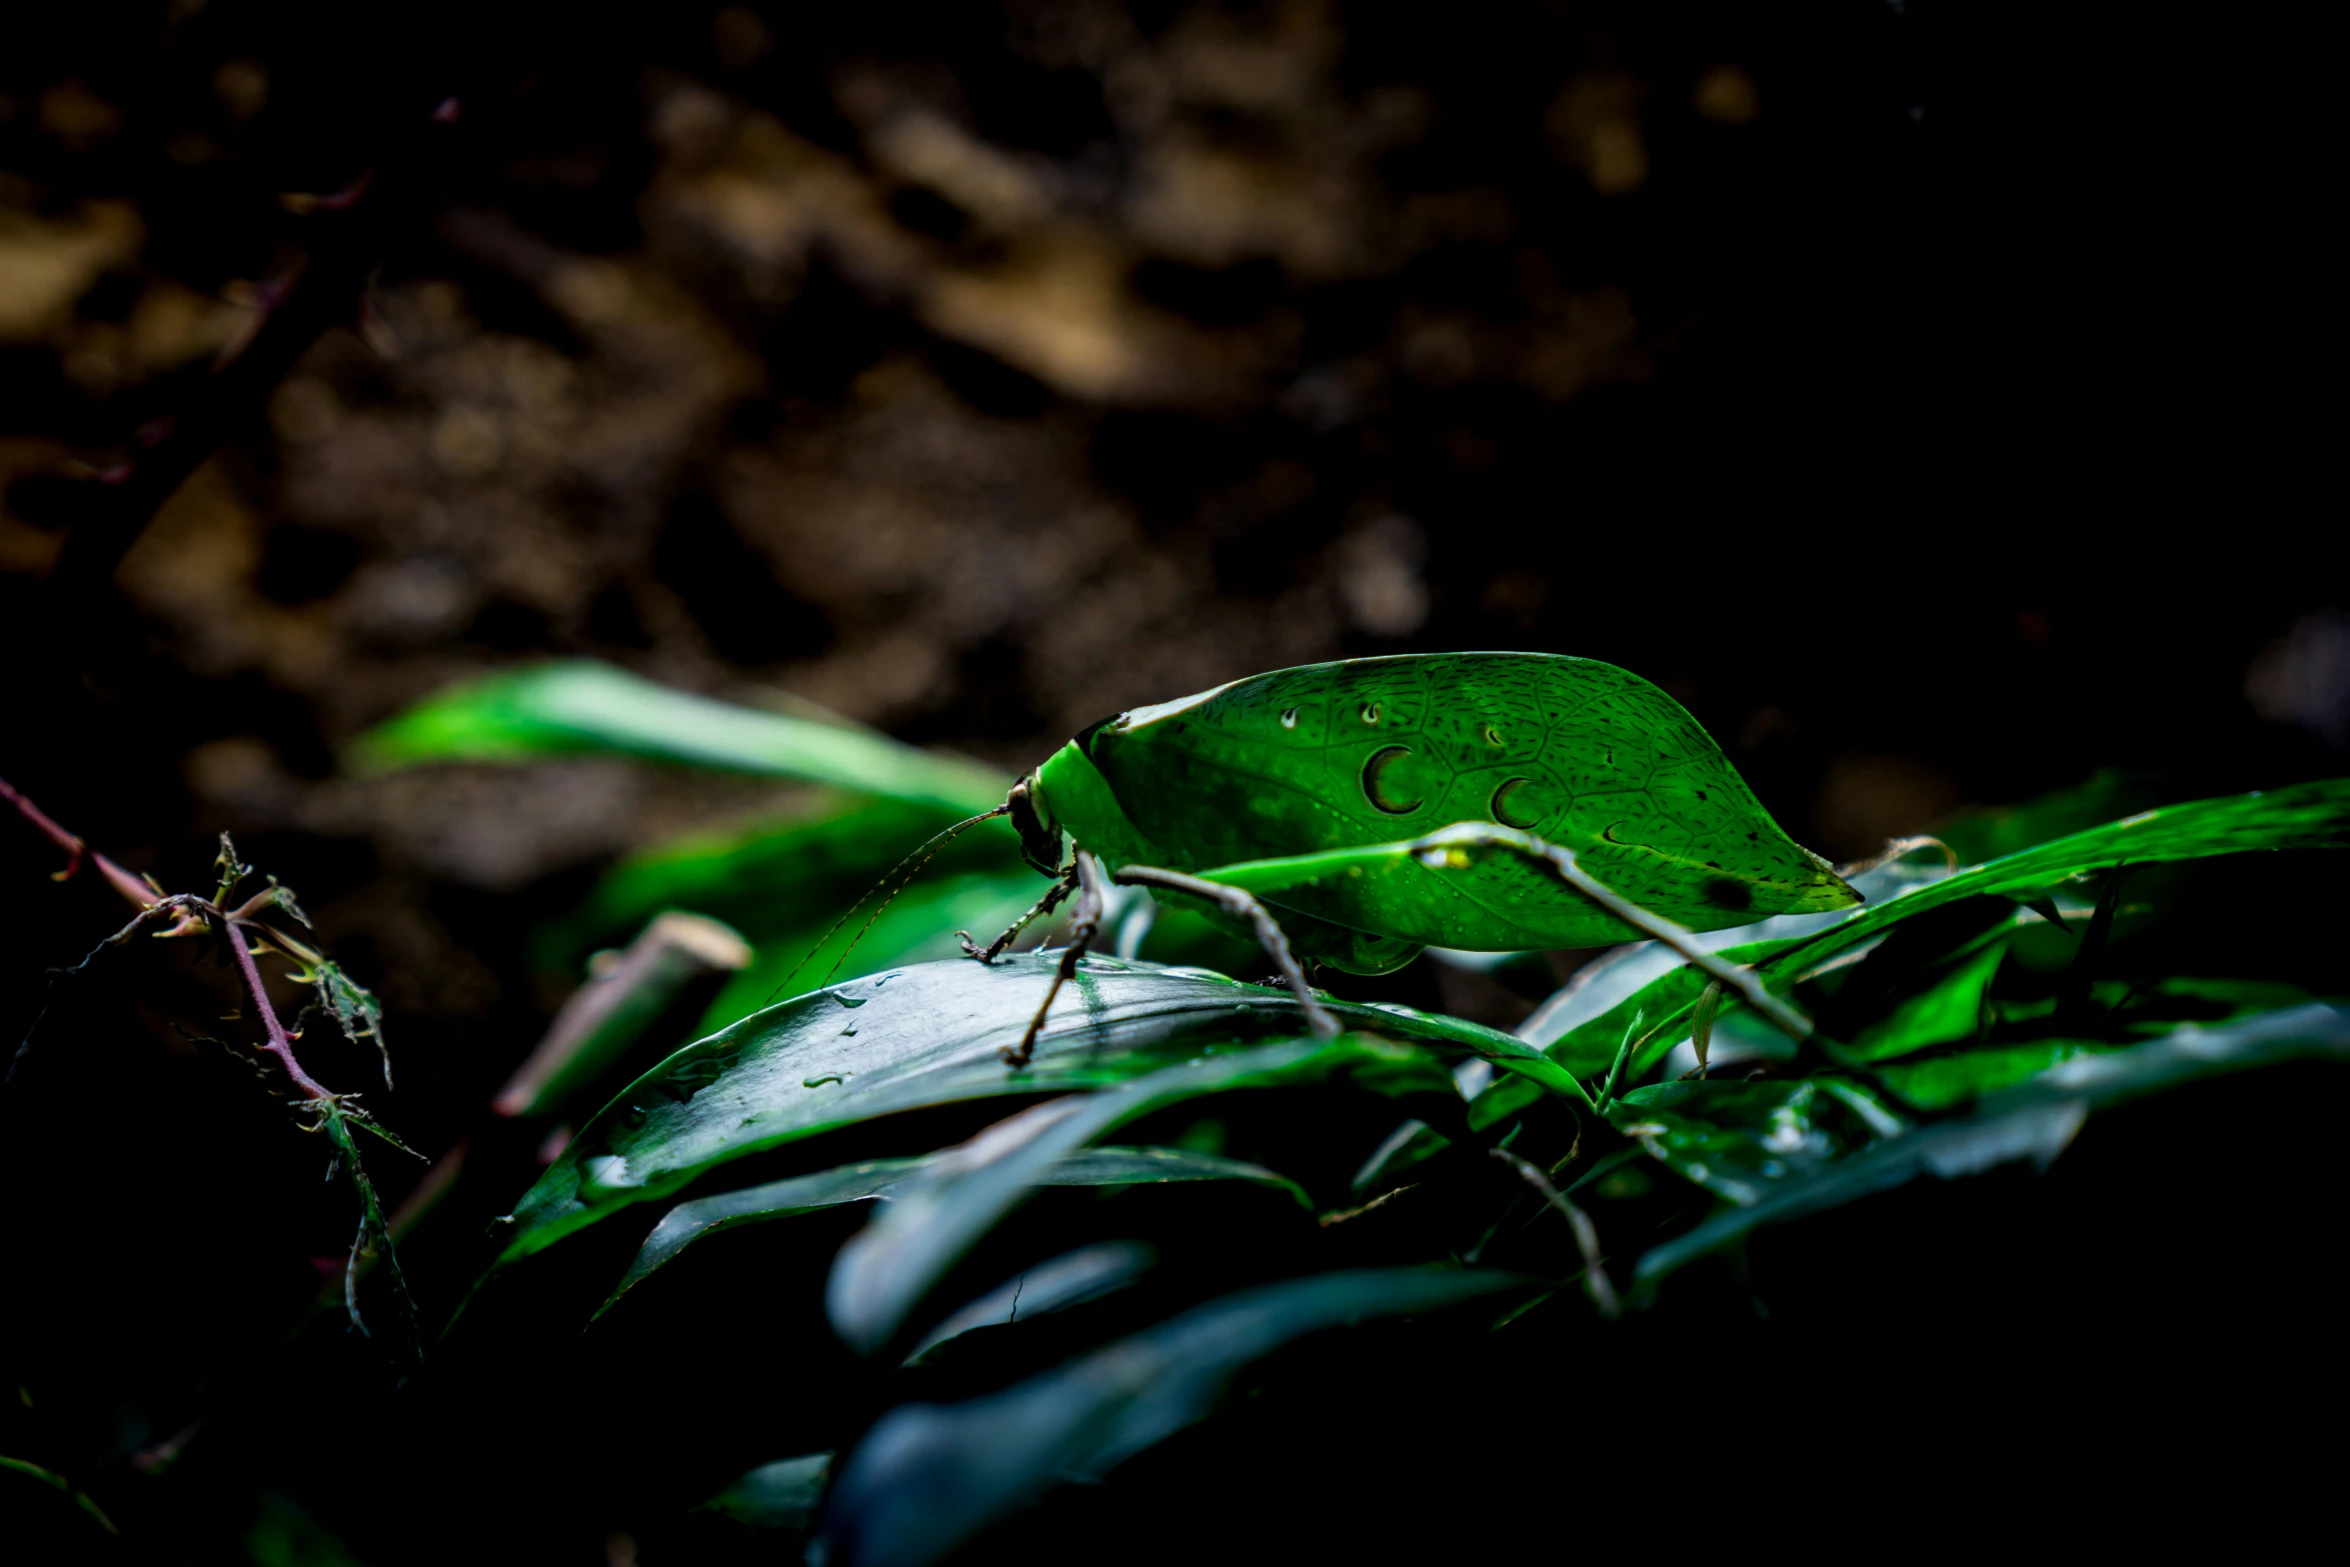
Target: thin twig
<point>1234,901</point>
<point>1446,840</point>
<point>136,892</point>
<point>280,1044</point>
<point>1595,1279</point>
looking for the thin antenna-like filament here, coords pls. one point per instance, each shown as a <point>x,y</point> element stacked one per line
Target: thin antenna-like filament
<point>919,858</point>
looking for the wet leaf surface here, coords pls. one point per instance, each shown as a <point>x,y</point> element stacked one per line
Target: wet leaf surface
<point>1583,1025</point>
<point>1739,1140</point>
<point>689,1222</point>
<point>939,1214</point>
<point>930,1035</point>
<point>2033,1119</point>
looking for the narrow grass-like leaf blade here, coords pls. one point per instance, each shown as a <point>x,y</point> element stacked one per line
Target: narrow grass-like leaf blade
<point>887,1268</point>
<point>1583,1035</point>
<point>581,706</point>
<point>928,1477</point>
<point>1071,1279</point>
<point>689,1222</point>
<point>2034,1120</point>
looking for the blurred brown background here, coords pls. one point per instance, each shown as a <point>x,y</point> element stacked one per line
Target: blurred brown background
<point>1909,390</point>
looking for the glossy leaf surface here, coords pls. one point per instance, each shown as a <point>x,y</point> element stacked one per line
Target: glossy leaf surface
<point>2034,1119</point>
<point>689,1222</point>
<point>1738,1140</point>
<point>1583,1034</point>
<point>1373,750</point>
<point>929,1035</point>
<point>886,1269</point>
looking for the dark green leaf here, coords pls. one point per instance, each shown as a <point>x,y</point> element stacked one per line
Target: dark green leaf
<point>2304,816</point>
<point>689,1222</point>
<point>1739,1140</point>
<point>1950,1081</point>
<point>928,1477</point>
<point>1948,1009</point>
<point>782,1495</point>
<point>1071,1279</point>
<point>2033,1120</point>
<point>569,708</point>
<point>929,1035</point>
<point>1586,1021</point>
<point>934,1218</point>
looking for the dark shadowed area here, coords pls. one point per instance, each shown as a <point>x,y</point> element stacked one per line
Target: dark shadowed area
<point>1922,396</point>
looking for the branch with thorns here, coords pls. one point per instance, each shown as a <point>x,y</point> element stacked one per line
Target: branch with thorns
<point>249,934</point>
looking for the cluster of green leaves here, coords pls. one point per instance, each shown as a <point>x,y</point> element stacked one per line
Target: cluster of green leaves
<point>1966,1020</point>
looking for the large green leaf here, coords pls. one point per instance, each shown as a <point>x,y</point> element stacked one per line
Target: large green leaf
<point>925,1035</point>
<point>888,1267</point>
<point>2034,1119</point>
<point>928,1477</point>
<point>569,708</point>
<point>1583,1027</point>
<point>689,1222</point>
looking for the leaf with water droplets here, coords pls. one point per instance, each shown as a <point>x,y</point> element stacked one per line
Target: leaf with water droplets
<point>2034,1120</point>
<point>930,1035</point>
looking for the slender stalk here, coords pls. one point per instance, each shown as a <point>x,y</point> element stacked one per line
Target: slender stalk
<point>190,911</point>
<point>280,1044</point>
<point>1441,850</point>
<point>136,892</point>
<point>1595,1279</point>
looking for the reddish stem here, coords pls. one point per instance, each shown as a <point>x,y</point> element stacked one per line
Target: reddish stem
<point>142,897</point>
<point>280,1044</point>
<point>139,894</point>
